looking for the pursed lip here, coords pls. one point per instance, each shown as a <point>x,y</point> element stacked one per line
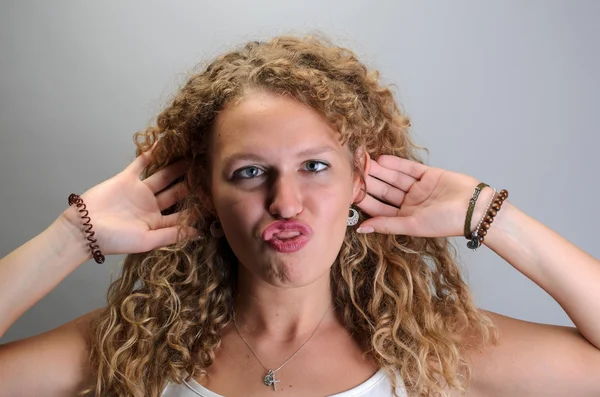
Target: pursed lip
<point>280,226</point>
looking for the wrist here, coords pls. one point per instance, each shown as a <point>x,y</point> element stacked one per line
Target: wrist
<point>68,231</point>
<point>502,223</point>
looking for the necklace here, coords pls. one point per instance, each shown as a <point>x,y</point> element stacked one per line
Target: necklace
<point>269,379</point>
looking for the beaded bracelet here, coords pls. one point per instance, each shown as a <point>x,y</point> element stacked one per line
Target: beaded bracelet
<point>76,200</point>
<point>478,235</point>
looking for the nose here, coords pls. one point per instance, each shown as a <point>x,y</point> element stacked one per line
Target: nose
<point>285,198</point>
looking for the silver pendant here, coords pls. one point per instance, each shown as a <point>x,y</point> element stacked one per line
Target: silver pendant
<point>270,379</point>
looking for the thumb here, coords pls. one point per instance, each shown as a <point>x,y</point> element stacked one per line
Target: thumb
<point>387,225</point>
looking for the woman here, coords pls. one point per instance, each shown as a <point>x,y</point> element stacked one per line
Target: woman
<point>247,276</point>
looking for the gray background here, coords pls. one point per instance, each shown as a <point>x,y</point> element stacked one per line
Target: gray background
<point>506,91</point>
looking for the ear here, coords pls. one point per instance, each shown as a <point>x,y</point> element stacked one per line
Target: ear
<point>358,189</point>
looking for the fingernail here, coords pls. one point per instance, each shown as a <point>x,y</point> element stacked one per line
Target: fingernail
<point>364,229</point>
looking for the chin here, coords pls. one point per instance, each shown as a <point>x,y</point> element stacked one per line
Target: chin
<point>292,275</point>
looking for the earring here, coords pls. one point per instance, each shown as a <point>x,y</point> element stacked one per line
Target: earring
<point>352,219</point>
<point>216,230</point>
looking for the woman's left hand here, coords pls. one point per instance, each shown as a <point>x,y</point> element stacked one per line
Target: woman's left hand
<point>409,198</point>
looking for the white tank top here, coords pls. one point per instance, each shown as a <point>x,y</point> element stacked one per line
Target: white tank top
<point>378,385</point>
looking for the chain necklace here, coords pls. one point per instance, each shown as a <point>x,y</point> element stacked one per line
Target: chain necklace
<point>269,379</point>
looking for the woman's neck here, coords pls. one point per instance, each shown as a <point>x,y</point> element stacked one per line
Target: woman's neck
<point>282,314</point>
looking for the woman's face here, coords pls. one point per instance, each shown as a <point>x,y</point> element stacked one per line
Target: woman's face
<point>275,159</point>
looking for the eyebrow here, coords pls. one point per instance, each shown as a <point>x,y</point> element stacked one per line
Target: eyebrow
<point>254,157</point>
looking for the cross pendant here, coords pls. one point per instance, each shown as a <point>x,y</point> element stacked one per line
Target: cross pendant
<point>270,380</point>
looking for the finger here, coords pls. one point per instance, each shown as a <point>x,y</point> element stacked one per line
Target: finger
<point>163,178</point>
<point>384,192</point>
<point>141,162</point>
<point>405,166</point>
<point>171,220</point>
<point>392,225</point>
<point>391,174</point>
<point>375,207</point>
<point>171,196</point>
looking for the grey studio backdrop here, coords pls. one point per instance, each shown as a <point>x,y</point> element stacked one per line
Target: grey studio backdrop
<point>506,91</point>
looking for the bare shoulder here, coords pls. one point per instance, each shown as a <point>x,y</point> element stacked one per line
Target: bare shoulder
<point>54,363</point>
<point>533,359</point>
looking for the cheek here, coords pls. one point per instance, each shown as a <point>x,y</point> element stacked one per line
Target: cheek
<point>239,212</point>
<point>225,197</point>
<point>329,206</point>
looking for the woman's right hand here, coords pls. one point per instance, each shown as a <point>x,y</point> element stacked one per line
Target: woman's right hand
<point>126,212</point>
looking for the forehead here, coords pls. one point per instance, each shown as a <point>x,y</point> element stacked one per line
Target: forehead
<point>270,121</point>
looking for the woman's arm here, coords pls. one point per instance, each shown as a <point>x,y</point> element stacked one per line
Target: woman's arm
<point>568,274</point>
<point>33,270</point>
<point>533,360</point>
<point>54,363</point>
<point>536,359</point>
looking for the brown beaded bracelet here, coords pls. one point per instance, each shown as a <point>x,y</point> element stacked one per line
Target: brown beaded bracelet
<point>75,199</point>
<point>477,237</point>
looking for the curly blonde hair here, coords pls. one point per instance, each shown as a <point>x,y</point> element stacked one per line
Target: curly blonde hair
<point>401,297</point>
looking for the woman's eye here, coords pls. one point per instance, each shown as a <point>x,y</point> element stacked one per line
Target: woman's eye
<point>316,170</point>
<point>242,174</point>
<point>313,166</point>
